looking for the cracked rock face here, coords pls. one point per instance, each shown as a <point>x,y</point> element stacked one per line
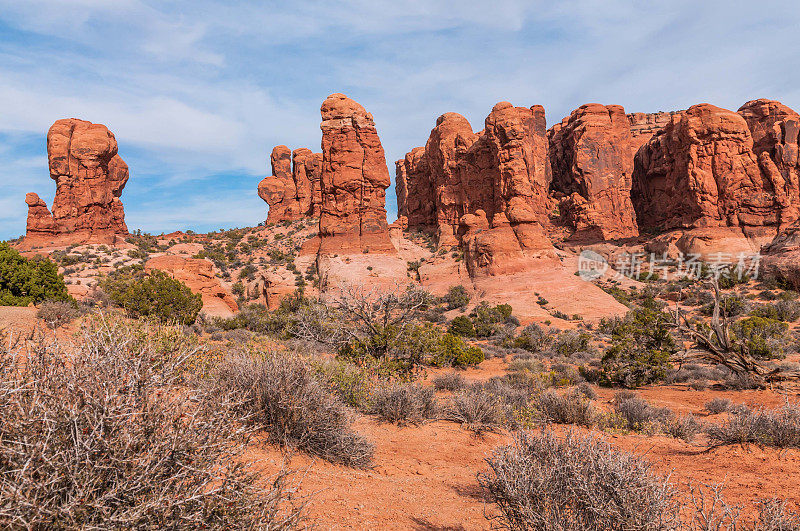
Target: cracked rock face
<point>702,171</point>
<point>354,180</point>
<point>591,154</point>
<point>90,177</point>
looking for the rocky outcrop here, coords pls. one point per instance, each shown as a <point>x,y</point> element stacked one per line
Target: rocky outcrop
<point>198,275</point>
<point>354,181</point>
<point>591,155</point>
<point>414,189</point>
<point>90,177</point>
<point>293,191</point>
<point>781,258</point>
<point>645,125</point>
<point>702,171</point>
<point>775,129</point>
<point>486,192</point>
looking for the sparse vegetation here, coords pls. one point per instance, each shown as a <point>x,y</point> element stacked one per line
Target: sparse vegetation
<point>115,434</point>
<point>543,481</point>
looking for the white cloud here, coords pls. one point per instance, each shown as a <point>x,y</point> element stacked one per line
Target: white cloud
<point>198,92</point>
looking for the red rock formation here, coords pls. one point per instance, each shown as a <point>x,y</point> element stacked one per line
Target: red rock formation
<point>591,154</point>
<point>701,171</point>
<point>486,192</point>
<point>90,177</point>
<point>415,204</point>
<point>354,181</point>
<point>782,257</point>
<point>293,190</point>
<point>645,125</point>
<point>198,275</point>
<point>775,129</point>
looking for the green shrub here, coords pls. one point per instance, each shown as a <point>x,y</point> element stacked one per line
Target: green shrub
<point>453,351</point>
<point>462,326</point>
<point>457,297</point>
<point>641,346</point>
<point>155,294</point>
<point>760,337</point>
<point>787,311</point>
<point>534,338</point>
<point>569,342</point>
<point>487,319</point>
<point>24,281</point>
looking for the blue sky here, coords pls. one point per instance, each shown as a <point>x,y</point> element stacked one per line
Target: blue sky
<point>198,92</point>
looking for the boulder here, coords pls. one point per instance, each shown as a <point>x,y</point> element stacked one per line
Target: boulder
<point>90,177</point>
<point>354,181</point>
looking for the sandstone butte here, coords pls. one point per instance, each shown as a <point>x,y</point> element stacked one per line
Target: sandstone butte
<point>293,191</point>
<point>198,275</point>
<point>90,177</point>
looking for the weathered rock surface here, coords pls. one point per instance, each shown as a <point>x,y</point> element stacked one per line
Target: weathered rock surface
<point>198,275</point>
<point>591,155</point>
<point>354,181</point>
<point>486,192</point>
<point>645,125</point>
<point>293,191</point>
<point>701,171</point>
<point>781,258</point>
<point>90,177</point>
<point>775,129</point>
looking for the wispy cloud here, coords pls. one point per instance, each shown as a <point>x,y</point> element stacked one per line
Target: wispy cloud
<point>198,92</point>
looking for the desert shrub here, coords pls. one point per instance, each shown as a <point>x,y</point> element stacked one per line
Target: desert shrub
<point>281,394</point>
<point>462,326</point>
<point>777,428</point>
<point>449,381</point>
<point>534,338</point>
<point>570,341</point>
<point>787,311</point>
<point>775,515</point>
<point>58,313</point>
<point>474,409</point>
<point>403,403</point>
<point>638,415</point>
<point>716,406</point>
<point>586,390</point>
<point>26,281</point>
<point>453,351</point>
<point>457,297</point>
<point>641,346</point>
<point>155,294</point>
<point>684,427</point>
<point>353,384</point>
<point>543,481</point>
<point>257,318</point>
<point>571,407</point>
<point>112,435</point>
<point>488,319</point>
<point>730,305</point>
<point>760,337</point>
